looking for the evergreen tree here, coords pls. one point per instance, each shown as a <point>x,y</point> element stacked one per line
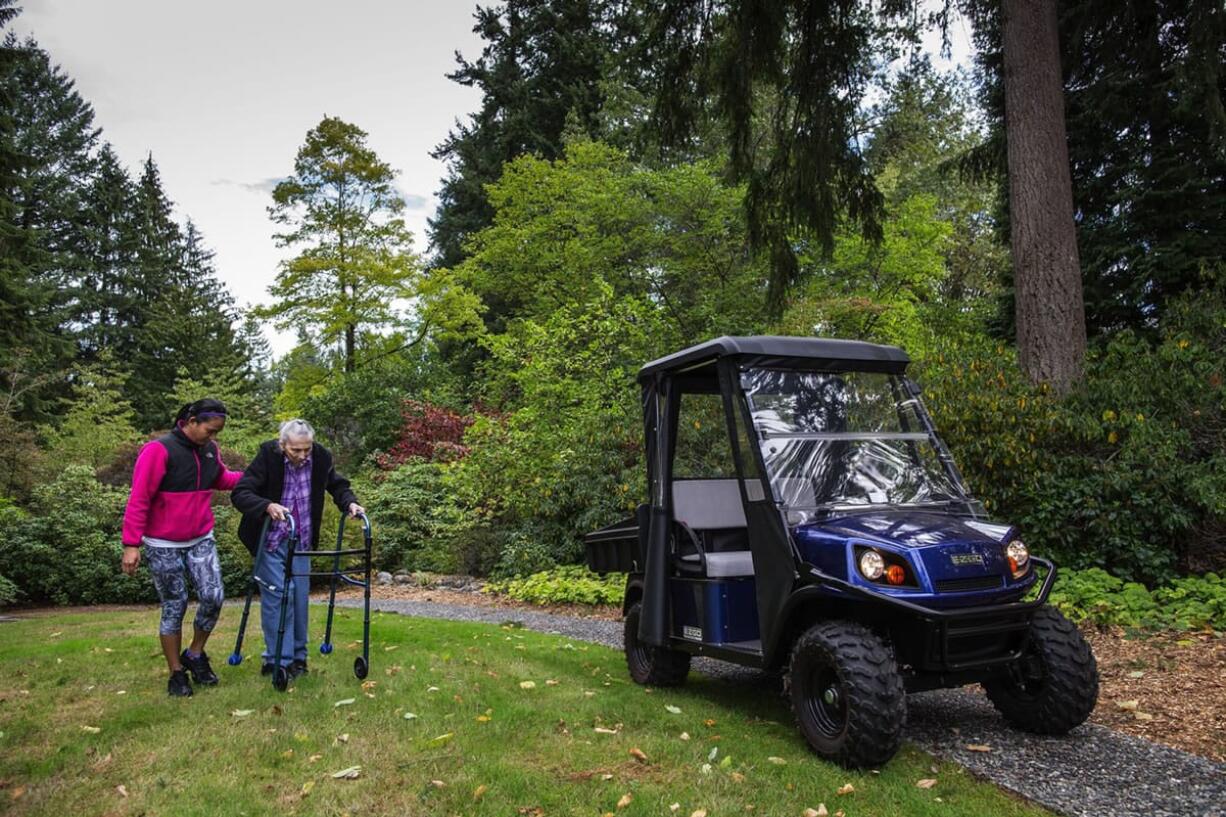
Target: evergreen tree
<point>46,138</point>
<point>1147,136</point>
<point>342,207</point>
<point>98,418</point>
<point>544,60</point>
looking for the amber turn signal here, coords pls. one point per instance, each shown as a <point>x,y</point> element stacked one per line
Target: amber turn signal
<point>894,574</point>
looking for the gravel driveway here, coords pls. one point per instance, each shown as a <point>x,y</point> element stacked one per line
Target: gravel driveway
<point>1094,771</point>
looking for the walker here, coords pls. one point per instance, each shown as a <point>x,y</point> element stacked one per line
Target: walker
<point>361,664</point>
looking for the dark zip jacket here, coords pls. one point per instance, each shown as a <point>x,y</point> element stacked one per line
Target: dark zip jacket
<point>262,484</point>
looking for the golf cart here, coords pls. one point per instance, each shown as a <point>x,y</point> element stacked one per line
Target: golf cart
<point>805,518</point>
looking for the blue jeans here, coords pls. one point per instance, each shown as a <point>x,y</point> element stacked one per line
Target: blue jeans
<point>272,571</point>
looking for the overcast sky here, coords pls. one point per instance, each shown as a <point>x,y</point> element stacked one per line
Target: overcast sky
<point>223,93</point>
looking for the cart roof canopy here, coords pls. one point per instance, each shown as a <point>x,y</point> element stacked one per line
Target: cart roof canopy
<point>776,351</point>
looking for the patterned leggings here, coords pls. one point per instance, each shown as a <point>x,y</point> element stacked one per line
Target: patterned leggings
<point>170,566</point>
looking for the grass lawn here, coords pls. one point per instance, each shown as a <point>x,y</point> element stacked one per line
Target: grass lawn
<point>504,722</point>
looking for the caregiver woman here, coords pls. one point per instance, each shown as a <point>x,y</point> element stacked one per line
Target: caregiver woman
<point>169,514</point>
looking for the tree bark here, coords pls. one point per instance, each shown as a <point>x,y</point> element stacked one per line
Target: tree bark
<point>1051,332</point>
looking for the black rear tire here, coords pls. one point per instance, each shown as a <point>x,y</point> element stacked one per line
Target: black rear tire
<point>654,666</point>
<point>846,694</point>
<point>1053,687</point>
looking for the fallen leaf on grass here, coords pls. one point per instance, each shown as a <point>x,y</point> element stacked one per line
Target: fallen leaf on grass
<point>702,812</point>
<point>287,754</point>
<point>527,684</point>
<point>93,730</point>
<point>674,807</point>
<point>625,801</point>
<point>343,737</point>
<point>483,719</point>
<point>926,783</point>
<point>709,722</point>
<point>352,773</point>
<point>737,777</point>
<point>726,762</point>
<point>344,702</point>
<point>438,784</point>
<point>480,791</point>
<point>431,689</point>
<point>16,793</point>
<point>1136,674</point>
<point>392,647</point>
<point>409,716</point>
<point>978,747</point>
<point>1143,716</point>
<point>685,735</point>
<point>778,761</point>
<point>551,683</point>
<point>307,786</point>
<point>820,811</point>
<point>443,738</point>
<point>675,710</point>
<point>241,713</point>
<point>1128,706</point>
<point>314,758</point>
<point>122,789</point>
<point>846,788</point>
<point>638,755</point>
<point>367,686</point>
<point>57,634</point>
<point>600,730</point>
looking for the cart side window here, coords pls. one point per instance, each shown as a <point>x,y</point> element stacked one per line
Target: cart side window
<point>703,451</point>
<point>832,439</point>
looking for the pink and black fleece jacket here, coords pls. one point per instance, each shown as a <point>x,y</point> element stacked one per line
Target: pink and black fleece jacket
<point>172,486</point>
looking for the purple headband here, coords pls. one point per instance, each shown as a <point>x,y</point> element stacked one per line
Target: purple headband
<point>207,415</point>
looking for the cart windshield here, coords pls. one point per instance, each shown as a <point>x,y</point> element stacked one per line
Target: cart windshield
<point>847,439</point>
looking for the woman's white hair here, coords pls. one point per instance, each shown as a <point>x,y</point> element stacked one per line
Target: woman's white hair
<point>296,428</point>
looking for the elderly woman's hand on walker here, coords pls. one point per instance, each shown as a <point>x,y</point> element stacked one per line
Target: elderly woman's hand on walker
<point>277,512</point>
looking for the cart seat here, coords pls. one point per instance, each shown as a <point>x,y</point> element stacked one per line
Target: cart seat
<point>730,565</point>
<point>712,509</point>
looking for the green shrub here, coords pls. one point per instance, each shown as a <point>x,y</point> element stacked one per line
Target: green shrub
<point>67,548</point>
<point>571,584</point>
<point>1096,597</point>
<point>8,592</point>
<point>419,524</point>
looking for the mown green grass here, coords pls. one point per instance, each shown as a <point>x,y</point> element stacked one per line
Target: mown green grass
<point>535,751</point>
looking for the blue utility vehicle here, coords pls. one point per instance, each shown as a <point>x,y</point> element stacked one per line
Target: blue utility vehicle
<point>805,518</point>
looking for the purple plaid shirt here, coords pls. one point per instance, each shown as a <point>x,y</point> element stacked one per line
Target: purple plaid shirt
<point>296,495</point>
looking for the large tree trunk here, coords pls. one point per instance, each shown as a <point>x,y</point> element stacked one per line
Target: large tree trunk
<point>1051,330</point>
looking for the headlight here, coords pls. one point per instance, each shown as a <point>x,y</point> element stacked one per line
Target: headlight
<point>1018,557</point>
<point>872,566</point>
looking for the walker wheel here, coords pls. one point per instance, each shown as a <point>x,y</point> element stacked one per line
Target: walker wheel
<point>325,648</point>
<point>360,667</point>
<point>234,660</point>
<point>280,678</point>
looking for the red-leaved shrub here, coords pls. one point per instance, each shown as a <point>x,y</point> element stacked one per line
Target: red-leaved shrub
<point>428,432</point>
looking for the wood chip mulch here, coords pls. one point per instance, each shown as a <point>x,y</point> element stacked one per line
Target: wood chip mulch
<point>1169,688</point>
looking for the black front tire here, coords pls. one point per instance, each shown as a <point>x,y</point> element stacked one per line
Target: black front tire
<point>846,694</point>
<point>1053,687</point>
<point>360,668</point>
<point>655,666</point>
<point>280,679</point>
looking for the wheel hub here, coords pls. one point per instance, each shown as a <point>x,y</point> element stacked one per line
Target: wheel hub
<point>830,696</point>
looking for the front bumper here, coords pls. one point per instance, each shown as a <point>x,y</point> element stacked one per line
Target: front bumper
<point>955,640</point>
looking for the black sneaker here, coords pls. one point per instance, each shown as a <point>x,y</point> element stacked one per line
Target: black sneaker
<point>178,686</point>
<point>296,668</point>
<point>201,672</point>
